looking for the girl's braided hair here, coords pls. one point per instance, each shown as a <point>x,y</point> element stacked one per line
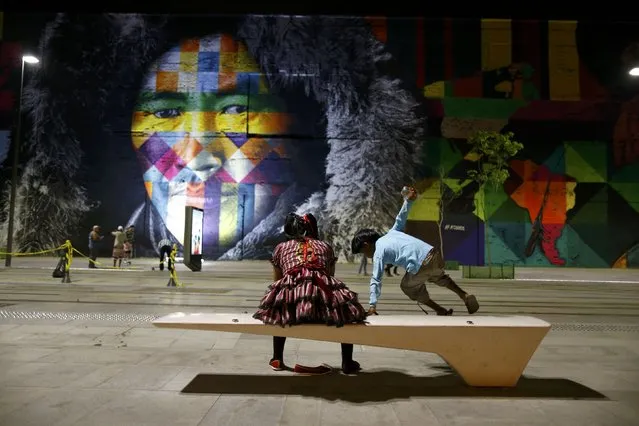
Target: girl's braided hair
<point>297,226</point>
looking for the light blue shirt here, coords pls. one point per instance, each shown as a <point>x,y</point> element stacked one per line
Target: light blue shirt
<point>399,249</point>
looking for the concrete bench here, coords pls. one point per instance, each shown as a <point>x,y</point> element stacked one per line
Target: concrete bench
<point>485,351</point>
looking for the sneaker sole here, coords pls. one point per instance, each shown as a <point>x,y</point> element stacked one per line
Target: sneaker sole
<point>471,304</point>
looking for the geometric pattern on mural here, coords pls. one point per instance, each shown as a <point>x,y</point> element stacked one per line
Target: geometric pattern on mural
<point>461,228</point>
<point>208,132</point>
<point>568,200</point>
<point>558,210</point>
<point>569,192</point>
<point>173,154</point>
<point>586,161</point>
<point>568,214</point>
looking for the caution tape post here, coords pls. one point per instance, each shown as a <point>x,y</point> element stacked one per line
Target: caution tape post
<point>68,256</point>
<point>66,246</point>
<point>173,279</point>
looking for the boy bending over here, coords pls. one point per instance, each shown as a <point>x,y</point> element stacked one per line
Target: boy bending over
<point>422,262</point>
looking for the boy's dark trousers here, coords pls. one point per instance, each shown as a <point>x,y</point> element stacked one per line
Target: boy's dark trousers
<point>165,251</point>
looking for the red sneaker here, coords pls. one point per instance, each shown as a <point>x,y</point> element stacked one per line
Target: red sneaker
<point>276,364</point>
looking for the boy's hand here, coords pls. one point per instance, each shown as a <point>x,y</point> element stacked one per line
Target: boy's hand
<point>412,194</point>
<point>372,311</point>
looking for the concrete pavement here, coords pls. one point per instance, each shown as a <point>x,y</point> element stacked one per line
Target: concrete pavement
<point>85,353</point>
<point>241,284</point>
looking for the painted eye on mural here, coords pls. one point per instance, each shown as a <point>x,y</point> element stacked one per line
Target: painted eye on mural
<point>167,113</point>
<point>234,109</point>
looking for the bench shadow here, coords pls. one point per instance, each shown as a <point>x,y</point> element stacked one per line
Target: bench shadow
<point>385,385</point>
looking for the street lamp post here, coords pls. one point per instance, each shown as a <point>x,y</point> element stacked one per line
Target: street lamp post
<point>28,59</point>
<point>242,236</point>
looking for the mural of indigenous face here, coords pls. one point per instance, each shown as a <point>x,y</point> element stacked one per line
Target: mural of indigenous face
<point>208,133</point>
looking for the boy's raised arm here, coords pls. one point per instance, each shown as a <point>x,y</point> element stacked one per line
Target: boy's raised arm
<point>410,195</point>
<point>402,216</point>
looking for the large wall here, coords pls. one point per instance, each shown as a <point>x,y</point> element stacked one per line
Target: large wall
<point>9,79</point>
<point>563,89</point>
<point>131,119</point>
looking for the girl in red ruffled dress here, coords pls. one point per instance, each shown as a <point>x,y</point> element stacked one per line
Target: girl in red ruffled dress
<point>305,290</point>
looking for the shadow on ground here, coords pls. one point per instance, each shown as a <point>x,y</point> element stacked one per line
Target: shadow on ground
<point>378,386</point>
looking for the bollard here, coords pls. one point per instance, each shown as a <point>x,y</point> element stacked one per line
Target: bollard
<point>171,264</point>
<point>171,282</point>
<point>66,279</point>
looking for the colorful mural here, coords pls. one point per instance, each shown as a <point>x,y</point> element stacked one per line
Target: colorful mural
<point>251,117</point>
<point>572,195</point>
<point>210,135</point>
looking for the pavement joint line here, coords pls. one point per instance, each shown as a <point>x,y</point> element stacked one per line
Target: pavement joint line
<point>465,280</point>
<point>593,281</point>
<point>43,268</point>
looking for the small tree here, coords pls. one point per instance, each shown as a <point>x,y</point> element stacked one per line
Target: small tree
<point>446,196</point>
<point>493,151</point>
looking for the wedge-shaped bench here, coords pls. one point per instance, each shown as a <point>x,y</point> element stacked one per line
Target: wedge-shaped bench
<point>485,351</point>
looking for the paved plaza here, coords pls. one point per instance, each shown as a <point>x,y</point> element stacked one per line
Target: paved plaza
<point>85,353</point>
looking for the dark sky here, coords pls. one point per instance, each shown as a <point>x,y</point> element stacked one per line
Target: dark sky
<point>397,8</point>
<point>24,19</point>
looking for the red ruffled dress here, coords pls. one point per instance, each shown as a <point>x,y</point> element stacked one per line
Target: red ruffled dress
<point>307,293</point>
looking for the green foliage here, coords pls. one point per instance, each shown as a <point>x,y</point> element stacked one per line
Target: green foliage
<point>493,150</point>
